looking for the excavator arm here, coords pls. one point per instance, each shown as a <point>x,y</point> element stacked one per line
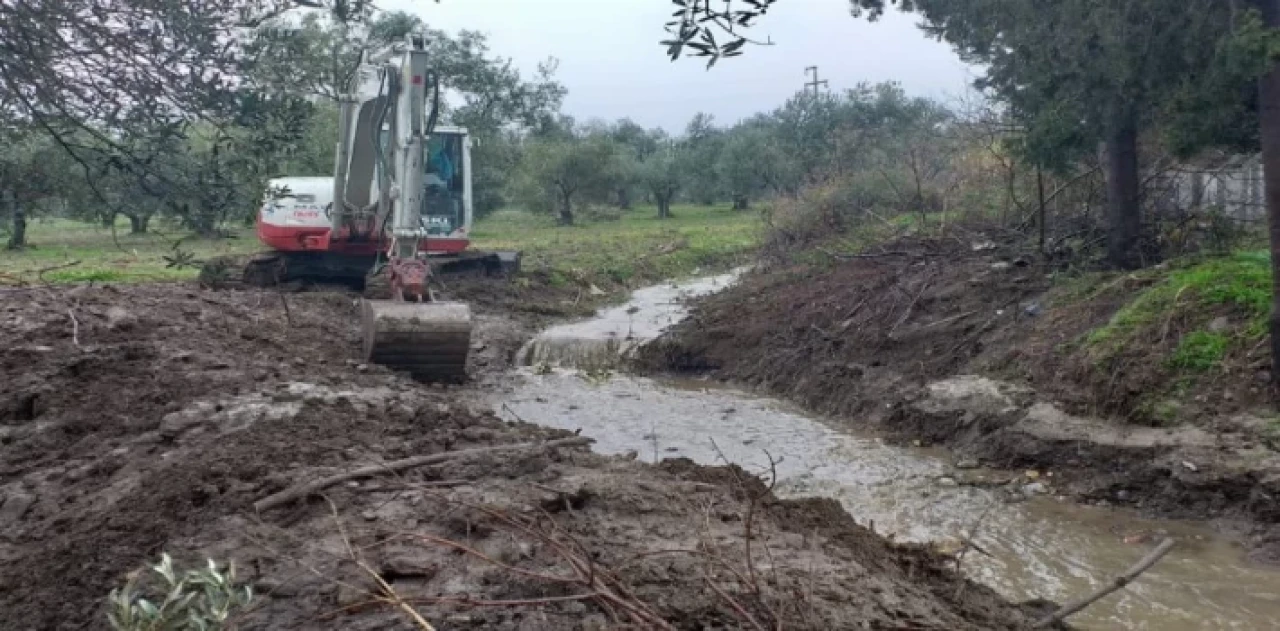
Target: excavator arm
<point>412,331</point>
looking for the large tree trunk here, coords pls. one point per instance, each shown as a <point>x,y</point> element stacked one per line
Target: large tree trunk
<point>664,207</point>
<point>1124,217</point>
<point>741,202</point>
<point>138,224</point>
<point>624,199</point>
<point>1269,108</point>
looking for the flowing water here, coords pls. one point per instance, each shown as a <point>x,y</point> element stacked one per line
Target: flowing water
<point>1040,548</point>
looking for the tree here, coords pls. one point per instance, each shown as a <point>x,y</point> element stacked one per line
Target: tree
<point>753,162</point>
<point>35,174</point>
<point>704,141</point>
<point>1082,72</point>
<point>557,173</point>
<point>636,144</point>
<point>663,174</point>
<point>1074,73</point>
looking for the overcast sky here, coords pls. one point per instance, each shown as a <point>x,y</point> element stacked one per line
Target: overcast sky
<point>612,64</point>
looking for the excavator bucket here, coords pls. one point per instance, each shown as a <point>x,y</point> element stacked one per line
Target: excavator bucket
<point>429,340</point>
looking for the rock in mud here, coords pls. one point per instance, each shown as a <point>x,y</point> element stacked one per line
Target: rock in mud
<point>119,319</point>
<point>1219,324</point>
<point>968,463</point>
<point>16,504</point>
<point>1035,488</point>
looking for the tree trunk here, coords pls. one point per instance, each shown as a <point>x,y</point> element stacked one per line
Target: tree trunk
<point>740,202</point>
<point>108,219</point>
<point>1124,218</point>
<point>138,224</point>
<point>664,207</point>
<point>18,238</point>
<point>624,199</point>
<point>1269,108</point>
<point>566,211</point>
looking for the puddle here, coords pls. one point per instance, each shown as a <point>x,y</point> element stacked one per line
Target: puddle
<point>1041,548</point>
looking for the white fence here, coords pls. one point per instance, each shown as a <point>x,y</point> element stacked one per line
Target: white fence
<point>1233,184</point>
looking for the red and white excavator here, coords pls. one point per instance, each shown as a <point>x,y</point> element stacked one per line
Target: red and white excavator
<point>397,209</point>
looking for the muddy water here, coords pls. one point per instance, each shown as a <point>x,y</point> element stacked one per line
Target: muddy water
<point>1039,548</point>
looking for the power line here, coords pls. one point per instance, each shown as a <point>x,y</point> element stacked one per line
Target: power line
<point>815,82</point>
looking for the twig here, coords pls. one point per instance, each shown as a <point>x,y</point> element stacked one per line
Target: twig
<point>850,257</point>
<point>40,272</point>
<point>737,607</point>
<point>1132,573</point>
<point>304,490</point>
<point>946,320</point>
<point>388,593</point>
<point>907,314</point>
<point>967,543</point>
<point>288,317</point>
<point>75,328</point>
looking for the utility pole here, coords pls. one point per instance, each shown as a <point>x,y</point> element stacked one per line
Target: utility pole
<point>814,83</point>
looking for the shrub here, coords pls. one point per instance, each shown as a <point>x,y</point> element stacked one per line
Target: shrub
<point>197,599</point>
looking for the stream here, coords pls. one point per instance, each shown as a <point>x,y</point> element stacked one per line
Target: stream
<point>1040,548</point>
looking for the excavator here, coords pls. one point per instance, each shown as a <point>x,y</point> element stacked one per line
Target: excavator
<point>396,211</point>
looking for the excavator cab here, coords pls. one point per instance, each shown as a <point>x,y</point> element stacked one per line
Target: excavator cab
<point>444,203</point>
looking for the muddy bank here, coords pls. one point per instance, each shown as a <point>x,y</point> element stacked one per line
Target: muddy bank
<point>956,341</point>
<point>146,419</point>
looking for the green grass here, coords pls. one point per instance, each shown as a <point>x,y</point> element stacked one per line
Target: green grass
<point>636,248</point>
<point>1241,281</point>
<point>55,243</point>
<point>1199,351</point>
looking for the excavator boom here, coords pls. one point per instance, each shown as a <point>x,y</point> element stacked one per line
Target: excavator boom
<point>411,331</point>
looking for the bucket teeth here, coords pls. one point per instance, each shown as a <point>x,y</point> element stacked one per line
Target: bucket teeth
<point>429,340</point>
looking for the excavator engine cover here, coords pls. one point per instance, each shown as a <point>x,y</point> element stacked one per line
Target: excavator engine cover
<point>429,340</point>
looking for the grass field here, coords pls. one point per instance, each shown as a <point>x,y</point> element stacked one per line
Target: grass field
<point>638,247</point>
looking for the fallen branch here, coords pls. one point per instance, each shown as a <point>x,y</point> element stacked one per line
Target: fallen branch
<point>1132,573</point>
<point>851,257</point>
<point>298,492</point>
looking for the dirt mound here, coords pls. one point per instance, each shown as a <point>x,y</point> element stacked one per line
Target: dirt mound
<point>147,419</point>
<point>836,335</point>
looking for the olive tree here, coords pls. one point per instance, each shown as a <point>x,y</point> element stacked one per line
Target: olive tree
<point>556,174</point>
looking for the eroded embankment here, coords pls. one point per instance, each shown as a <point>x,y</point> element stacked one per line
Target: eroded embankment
<point>965,341</point>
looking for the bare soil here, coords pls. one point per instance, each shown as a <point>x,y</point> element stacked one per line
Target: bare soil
<point>136,420</point>
<point>955,340</point>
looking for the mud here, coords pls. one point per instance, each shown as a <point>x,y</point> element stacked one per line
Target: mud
<point>878,341</point>
<point>1035,542</point>
<point>146,419</point>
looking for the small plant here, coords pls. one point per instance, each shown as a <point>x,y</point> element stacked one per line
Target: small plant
<point>198,599</point>
<point>1200,351</point>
